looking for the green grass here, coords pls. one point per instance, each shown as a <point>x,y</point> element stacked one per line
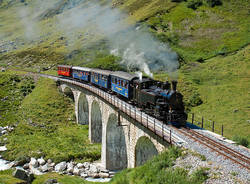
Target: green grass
<point>159,170</point>
<point>223,84</point>
<point>13,89</point>
<point>7,178</point>
<point>47,128</point>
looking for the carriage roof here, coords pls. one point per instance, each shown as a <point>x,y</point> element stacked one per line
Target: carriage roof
<point>102,72</point>
<point>124,75</point>
<point>65,66</point>
<point>81,68</point>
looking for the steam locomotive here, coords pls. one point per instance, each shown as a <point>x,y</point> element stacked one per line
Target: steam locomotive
<point>156,98</point>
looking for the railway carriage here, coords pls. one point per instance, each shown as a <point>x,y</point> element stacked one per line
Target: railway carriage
<point>81,73</point>
<point>101,78</point>
<point>121,83</point>
<point>64,70</point>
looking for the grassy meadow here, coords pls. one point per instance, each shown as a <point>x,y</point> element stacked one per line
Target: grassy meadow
<point>45,123</point>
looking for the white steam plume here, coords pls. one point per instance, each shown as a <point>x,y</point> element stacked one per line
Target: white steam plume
<point>137,47</point>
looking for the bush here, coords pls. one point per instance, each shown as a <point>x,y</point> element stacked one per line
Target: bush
<point>194,4</point>
<point>195,100</point>
<point>241,140</point>
<point>213,3</point>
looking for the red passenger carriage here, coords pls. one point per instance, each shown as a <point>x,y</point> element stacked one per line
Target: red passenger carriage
<point>64,70</point>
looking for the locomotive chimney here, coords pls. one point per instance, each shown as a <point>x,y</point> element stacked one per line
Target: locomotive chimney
<point>174,85</point>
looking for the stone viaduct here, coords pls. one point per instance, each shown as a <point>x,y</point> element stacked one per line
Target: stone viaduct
<point>125,142</point>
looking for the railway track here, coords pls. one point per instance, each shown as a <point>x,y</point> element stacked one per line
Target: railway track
<point>218,147</point>
<point>157,126</point>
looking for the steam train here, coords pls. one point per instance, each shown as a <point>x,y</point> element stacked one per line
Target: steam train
<point>153,97</point>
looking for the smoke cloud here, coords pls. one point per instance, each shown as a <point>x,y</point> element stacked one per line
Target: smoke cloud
<point>134,44</point>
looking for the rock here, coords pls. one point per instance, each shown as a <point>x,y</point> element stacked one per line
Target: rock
<point>49,161</point>
<point>84,175</point>
<point>70,167</point>
<point>236,110</point>
<point>50,169</point>
<point>3,69</point>
<point>104,175</point>
<point>76,171</point>
<point>35,171</point>
<point>52,164</point>
<point>104,170</point>
<point>50,181</point>
<point>44,168</point>
<point>93,169</point>
<point>86,165</point>
<point>3,148</point>
<point>23,175</point>
<point>79,165</point>
<point>33,163</point>
<point>4,132</point>
<point>61,167</point>
<point>93,175</point>
<point>26,166</point>
<point>41,161</point>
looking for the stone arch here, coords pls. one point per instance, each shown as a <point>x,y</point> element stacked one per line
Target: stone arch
<point>144,150</point>
<point>83,110</point>
<point>116,150</point>
<point>68,92</point>
<point>96,123</point>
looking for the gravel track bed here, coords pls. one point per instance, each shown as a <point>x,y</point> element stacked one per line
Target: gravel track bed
<point>230,172</point>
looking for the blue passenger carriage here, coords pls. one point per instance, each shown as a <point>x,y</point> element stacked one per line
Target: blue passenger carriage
<point>121,83</point>
<point>101,78</point>
<point>81,73</point>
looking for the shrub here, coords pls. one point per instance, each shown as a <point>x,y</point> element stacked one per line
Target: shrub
<point>241,140</point>
<point>195,100</point>
<point>178,0</point>
<point>213,3</point>
<point>200,174</point>
<point>194,4</point>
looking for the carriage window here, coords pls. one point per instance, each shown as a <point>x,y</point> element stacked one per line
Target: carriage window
<point>122,83</point>
<point>126,84</point>
<point>115,81</point>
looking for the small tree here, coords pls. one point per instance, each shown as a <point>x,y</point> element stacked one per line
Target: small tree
<point>194,4</point>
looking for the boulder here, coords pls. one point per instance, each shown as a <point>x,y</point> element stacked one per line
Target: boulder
<point>23,175</point>
<point>44,168</point>
<point>93,169</point>
<point>49,161</point>
<point>61,167</point>
<point>94,175</point>
<point>80,166</point>
<point>26,166</point>
<point>33,163</point>
<point>84,175</point>
<point>50,181</point>
<point>86,165</point>
<point>35,171</point>
<point>76,171</point>
<point>70,167</point>
<point>104,175</point>
<point>41,161</point>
